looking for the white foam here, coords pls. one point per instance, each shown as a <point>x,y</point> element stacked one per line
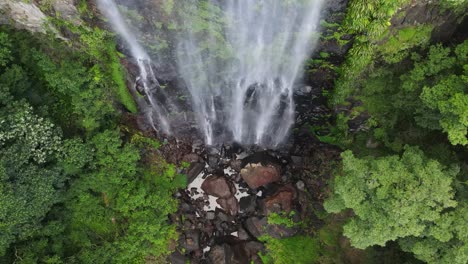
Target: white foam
<point>212,204</point>
<point>197,183</point>
<point>207,249</point>
<point>240,194</point>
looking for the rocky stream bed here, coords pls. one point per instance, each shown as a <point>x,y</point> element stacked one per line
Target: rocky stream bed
<point>233,190</point>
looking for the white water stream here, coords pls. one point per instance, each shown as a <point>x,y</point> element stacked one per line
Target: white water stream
<point>248,95</point>
<point>147,76</point>
<point>240,60</point>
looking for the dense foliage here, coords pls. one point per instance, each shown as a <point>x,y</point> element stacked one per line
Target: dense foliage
<point>78,186</point>
<point>409,199</point>
<point>382,194</point>
<point>300,249</point>
<point>430,95</point>
<point>71,190</point>
<point>403,177</point>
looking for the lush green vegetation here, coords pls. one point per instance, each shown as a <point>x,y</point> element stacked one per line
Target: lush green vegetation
<point>300,249</point>
<point>403,178</point>
<point>382,194</point>
<point>71,189</point>
<point>369,21</point>
<point>78,186</point>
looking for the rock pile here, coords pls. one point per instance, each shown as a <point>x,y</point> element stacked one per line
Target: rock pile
<point>226,207</point>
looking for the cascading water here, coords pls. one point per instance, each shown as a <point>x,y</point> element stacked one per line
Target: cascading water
<point>147,79</point>
<point>240,60</point>
<point>242,82</point>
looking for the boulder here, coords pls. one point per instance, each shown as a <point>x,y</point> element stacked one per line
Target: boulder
<point>300,185</point>
<point>240,254</point>
<point>177,258</point>
<point>210,215</point>
<point>194,170</point>
<point>186,208</point>
<point>230,205</point>
<point>254,247</point>
<point>228,254</point>
<point>220,254</point>
<point>236,164</point>
<point>256,175</point>
<point>298,161</point>
<point>280,231</point>
<point>191,157</point>
<point>258,227</point>
<point>281,201</point>
<point>67,10</point>
<point>191,240</point>
<point>213,161</point>
<point>248,204</point>
<point>222,216</point>
<point>218,186</point>
<point>242,234</point>
<point>23,15</point>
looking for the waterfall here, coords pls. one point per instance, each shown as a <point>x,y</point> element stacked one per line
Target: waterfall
<point>242,83</point>
<point>147,79</point>
<point>240,60</point>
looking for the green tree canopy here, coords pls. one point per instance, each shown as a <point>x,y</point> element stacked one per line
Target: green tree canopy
<point>71,189</point>
<point>30,179</point>
<point>444,242</point>
<point>431,94</point>
<point>392,197</point>
<point>443,76</point>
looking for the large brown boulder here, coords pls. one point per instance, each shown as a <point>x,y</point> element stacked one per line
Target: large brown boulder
<point>218,186</point>
<point>230,205</point>
<point>281,201</point>
<point>256,175</point>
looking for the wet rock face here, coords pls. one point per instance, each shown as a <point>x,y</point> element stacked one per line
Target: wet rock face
<point>219,254</point>
<point>256,175</point>
<point>234,189</point>
<point>219,186</point>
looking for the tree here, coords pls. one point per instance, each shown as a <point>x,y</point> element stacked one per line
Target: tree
<point>445,242</point>
<point>30,179</point>
<point>74,197</point>
<point>447,98</point>
<point>120,206</point>
<point>391,197</point>
<point>431,95</point>
<point>5,49</point>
